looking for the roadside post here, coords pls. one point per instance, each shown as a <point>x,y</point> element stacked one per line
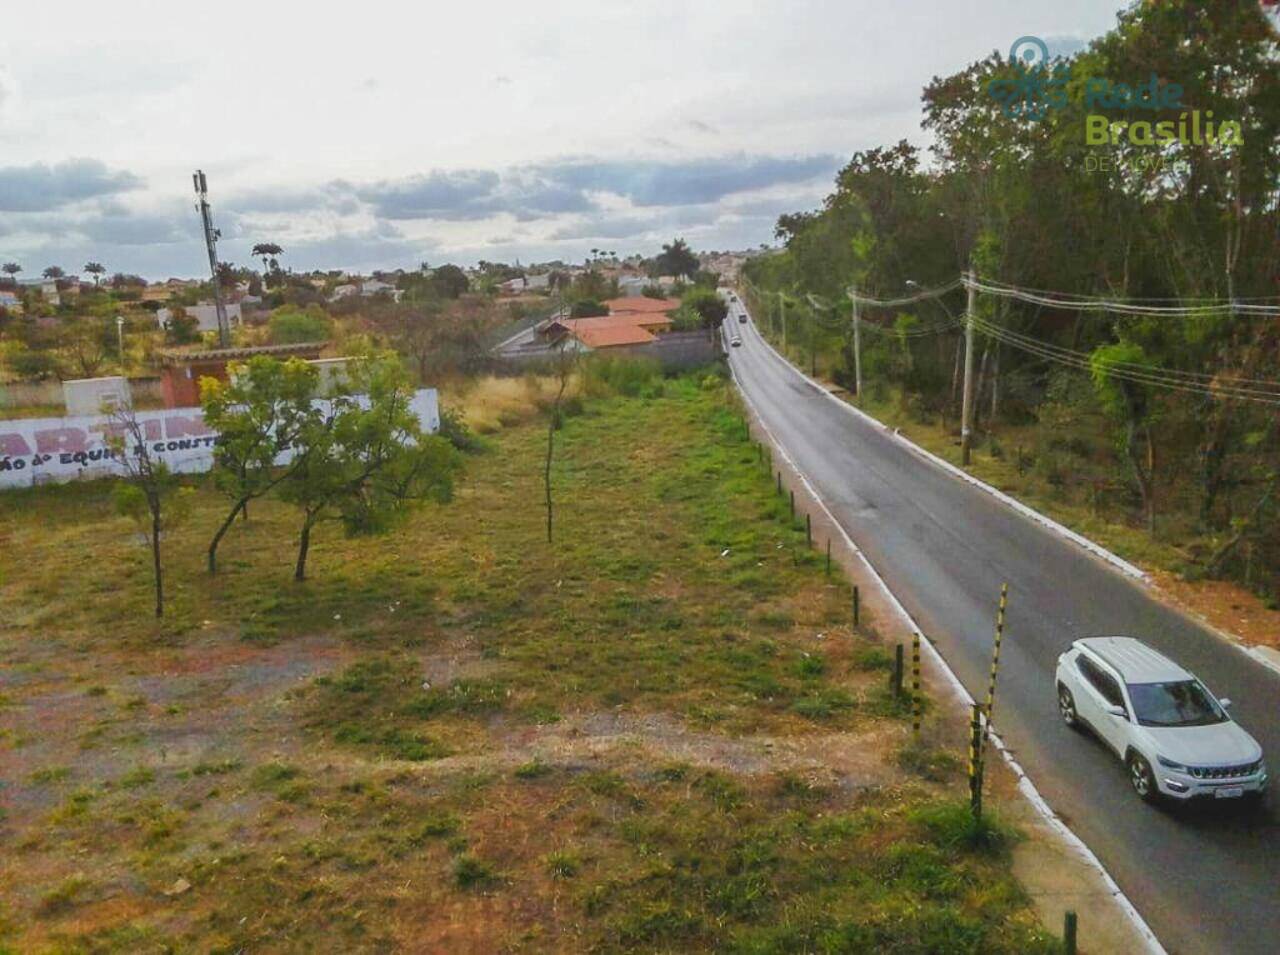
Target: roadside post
<point>828,556</point>
<point>916,702</point>
<point>975,761</point>
<point>808,529</point>
<point>995,658</point>
<point>1069,932</point>
<point>855,605</point>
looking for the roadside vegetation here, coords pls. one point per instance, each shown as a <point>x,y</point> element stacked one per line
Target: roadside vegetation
<point>659,733</point>
<point>1158,459</point>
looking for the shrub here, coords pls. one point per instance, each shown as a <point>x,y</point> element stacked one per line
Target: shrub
<point>588,308</point>
<point>290,326</point>
<point>454,429</point>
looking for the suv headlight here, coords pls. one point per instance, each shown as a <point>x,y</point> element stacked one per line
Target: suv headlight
<point>1170,764</point>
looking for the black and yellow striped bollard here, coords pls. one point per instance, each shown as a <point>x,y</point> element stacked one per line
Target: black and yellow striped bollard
<point>916,702</point>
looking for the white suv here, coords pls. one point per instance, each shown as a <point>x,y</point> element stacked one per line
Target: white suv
<point>1175,738</point>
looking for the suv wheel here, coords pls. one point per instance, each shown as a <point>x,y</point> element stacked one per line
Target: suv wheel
<point>1140,777</point>
<point>1067,707</point>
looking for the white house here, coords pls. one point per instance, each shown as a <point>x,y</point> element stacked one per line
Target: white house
<point>205,314</point>
<point>378,287</point>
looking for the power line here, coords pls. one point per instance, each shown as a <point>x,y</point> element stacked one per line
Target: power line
<point>1192,377</point>
<point>1078,304</point>
<point>1151,375</point>
<point>920,296</point>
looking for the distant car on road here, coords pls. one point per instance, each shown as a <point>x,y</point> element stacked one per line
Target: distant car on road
<point>1174,736</point>
<point>736,342</point>
<point>743,318</point>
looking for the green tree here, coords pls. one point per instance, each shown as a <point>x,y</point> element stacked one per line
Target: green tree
<point>289,325</point>
<point>676,259</point>
<point>588,308</point>
<point>54,272</point>
<point>11,269</point>
<point>97,270</point>
<point>449,281</point>
<point>1130,404</point>
<point>367,459</point>
<point>258,414</point>
<point>702,307</point>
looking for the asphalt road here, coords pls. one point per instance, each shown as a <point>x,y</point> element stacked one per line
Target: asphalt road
<point>1206,879</point>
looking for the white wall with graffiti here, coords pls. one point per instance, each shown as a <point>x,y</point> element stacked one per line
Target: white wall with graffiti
<point>56,450</point>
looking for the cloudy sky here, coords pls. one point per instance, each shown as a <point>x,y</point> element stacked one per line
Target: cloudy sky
<point>383,134</point>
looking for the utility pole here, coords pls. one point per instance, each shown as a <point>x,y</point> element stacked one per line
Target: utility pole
<point>857,346</point>
<point>813,342</point>
<point>211,236</point>
<point>966,404</point>
<point>782,310</point>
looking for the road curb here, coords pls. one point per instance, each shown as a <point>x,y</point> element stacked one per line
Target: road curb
<point>1025,786</point>
<point>1025,510</point>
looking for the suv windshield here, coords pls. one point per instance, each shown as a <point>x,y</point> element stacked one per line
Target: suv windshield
<point>1185,703</point>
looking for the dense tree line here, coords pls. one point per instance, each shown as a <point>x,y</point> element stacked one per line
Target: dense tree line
<point>1030,202</point>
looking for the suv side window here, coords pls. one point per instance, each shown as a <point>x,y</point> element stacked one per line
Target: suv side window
<point>1102,682</point>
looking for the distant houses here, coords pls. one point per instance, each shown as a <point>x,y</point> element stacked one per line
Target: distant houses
<point>631,321</point>
<point>205,314</point>
<point>366,289</point>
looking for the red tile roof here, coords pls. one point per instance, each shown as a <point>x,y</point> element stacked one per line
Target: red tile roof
<point>606,336</point>
<point>641,304</point>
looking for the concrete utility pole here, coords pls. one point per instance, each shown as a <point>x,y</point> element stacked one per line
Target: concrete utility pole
<point>211,236</point>
<point>966,404</point>
<point>782,310</point>
<point>857,346</point>
<point>813,342</point>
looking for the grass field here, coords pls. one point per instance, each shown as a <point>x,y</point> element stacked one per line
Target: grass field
<point>658,734</point>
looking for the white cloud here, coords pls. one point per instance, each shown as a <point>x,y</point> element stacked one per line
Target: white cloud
<point>454,121</point>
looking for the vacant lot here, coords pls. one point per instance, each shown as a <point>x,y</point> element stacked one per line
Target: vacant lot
<point>659,734</point>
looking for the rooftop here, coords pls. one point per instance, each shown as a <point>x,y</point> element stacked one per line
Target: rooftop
<point>1135,661</point>
<point>605,335</point>
<point>196,356</point>
<point>642,304</point>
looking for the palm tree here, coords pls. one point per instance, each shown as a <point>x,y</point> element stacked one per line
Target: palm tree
<point>97,270</point>
<point>54,272</point>
<point>11,269</point>
<point>267,251</point>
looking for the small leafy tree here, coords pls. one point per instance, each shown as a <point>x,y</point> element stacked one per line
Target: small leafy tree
<point>258,415</point>
<point>149,493</point>
<point>366,460</point>
<point>1130,404</point>
<point>97,270</point>
<point>181,328</point>
<point>701,308</point>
